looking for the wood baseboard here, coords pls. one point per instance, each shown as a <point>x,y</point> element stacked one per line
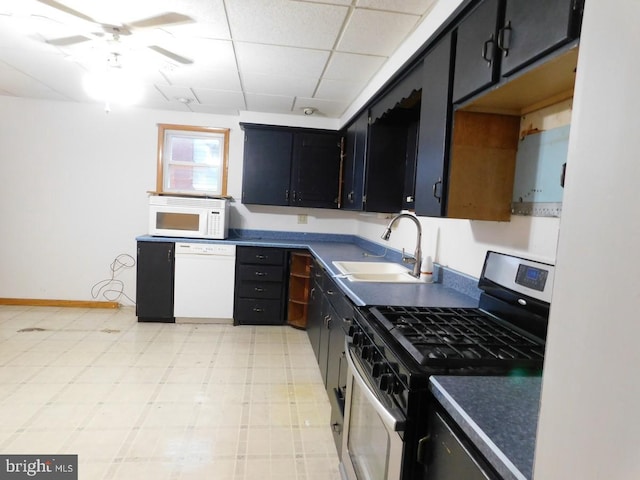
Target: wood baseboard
<point>36,302</point>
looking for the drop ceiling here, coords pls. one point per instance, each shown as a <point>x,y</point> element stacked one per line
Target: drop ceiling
<point>273,56</point>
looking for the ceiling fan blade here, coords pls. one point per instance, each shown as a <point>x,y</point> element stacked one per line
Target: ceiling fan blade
<point>171,55</point>
<point>169,18</point>
<point>69,10</point>
<point>66,41</point>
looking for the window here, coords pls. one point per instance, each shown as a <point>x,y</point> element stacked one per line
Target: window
<point>192,160</point>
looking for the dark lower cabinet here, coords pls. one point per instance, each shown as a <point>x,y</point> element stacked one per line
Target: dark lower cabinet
<point>330,315</point>
<point>451,454</point>
<point>260,286</point>
<point>154,282</point>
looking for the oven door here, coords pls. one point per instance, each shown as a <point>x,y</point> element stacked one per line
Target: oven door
<point>372,446</point>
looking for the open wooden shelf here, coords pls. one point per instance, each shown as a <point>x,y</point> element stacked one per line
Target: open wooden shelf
<point>299,288</point>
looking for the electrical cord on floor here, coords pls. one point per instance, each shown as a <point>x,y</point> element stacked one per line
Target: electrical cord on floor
<point>112,289</point>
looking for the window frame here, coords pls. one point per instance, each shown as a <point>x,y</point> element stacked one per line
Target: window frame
<point>163,128</point>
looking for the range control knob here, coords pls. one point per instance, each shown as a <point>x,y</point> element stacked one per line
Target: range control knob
<point>367,352</point>
<point>377,369</point>
<point>386,381</point>
<point>358,338</point>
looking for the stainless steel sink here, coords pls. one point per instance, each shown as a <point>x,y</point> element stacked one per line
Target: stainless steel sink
<point>376,272</point>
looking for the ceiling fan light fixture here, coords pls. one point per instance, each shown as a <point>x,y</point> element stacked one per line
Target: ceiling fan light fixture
<point>113,85</point>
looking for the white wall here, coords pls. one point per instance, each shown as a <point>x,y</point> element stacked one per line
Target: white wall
<point>590,412</point>
<point>73,196</point>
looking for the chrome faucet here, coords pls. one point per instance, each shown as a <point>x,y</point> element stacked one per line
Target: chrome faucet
<point>416,260</point>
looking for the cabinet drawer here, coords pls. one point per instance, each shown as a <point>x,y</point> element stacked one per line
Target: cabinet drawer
<point>260,255</point>
<point>259,290</point>
<point>261,273</point>
<point>258,311</point>
<point>340,303</point>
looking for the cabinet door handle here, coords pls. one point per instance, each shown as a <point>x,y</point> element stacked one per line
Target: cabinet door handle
<point>504,38</point>
<point>336,427</point>
<point>330,292</point>
<point>435,190</point>
<point>286,195</point>
<point>485,51</point>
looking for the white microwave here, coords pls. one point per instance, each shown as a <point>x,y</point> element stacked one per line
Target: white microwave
<point>188,217</point>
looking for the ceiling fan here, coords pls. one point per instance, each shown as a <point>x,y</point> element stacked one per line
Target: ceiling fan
<point>116,32</point>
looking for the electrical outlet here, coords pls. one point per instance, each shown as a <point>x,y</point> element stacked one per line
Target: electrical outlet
<point>302,218</point>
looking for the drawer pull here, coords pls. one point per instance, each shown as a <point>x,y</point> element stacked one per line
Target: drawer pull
<point>261,257</point>
<point>261,274</point>
<point>258,310</point>
<point>258,289</point>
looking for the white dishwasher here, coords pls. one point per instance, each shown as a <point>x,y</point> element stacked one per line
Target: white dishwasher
<point>204,281</point>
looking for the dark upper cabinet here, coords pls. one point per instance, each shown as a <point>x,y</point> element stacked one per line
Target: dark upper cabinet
<point>531,29</point>
<point>501,37</point>
<point>315,174</point>
<point>435,119</point>
<point>267,166</point>
<point>379,167</point>
<point>385,167</point>
<point>476,57</point>
<point>291,166</point>
<point>353,170</point>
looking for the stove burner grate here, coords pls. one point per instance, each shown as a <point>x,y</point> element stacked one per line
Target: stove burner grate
<point>458,337</point>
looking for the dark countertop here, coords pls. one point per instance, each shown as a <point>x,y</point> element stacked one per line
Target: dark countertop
<point>498,414</point>
<point>329,248</point>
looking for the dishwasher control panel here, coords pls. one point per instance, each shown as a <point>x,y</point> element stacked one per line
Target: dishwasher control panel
<point>183,248</point>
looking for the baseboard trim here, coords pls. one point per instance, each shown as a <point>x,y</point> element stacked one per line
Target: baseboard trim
<point>36,302</point>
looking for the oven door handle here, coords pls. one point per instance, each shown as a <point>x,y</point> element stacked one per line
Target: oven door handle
<point>392,418</point>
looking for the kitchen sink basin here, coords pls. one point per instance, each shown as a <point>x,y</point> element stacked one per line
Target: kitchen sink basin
<point>376,272</point>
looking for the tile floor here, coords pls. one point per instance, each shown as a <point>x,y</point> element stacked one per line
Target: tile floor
<point>162,401</point>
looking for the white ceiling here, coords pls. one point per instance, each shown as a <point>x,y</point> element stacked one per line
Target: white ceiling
<point>275,56</point>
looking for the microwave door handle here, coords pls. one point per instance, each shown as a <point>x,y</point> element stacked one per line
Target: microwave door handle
<point>392,419</point>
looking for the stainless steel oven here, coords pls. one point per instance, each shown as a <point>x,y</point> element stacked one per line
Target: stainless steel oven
<point>393,350</point>
<point>373,427</point>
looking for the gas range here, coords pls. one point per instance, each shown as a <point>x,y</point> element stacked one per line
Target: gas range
<point>395,349</point>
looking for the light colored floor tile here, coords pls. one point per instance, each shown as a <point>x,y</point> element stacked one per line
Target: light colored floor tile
<point>163,401</point>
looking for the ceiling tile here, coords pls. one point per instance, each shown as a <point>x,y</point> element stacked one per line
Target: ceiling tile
<point>285,22</point>
<point>279,84</point>
<point>343,92</point>
<point>416,7</point>
<point>198,78</point>
<point>349,66</point>
<point>269,103</point>
<point>220,99</point>
<point>376,33</point>
<point>172,92</point>
<point>272,60</point>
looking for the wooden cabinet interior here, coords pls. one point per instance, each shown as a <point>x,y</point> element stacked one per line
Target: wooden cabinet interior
<point>299,288</point>
<point>545,84</point>
<point>486,134</point>
<point>482,165</point>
